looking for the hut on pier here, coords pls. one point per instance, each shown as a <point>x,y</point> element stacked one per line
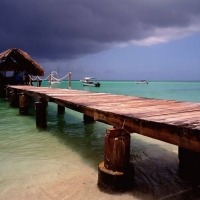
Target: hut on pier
<point>20,64</point>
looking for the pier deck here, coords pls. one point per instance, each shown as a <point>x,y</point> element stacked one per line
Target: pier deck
<point>170,121</point>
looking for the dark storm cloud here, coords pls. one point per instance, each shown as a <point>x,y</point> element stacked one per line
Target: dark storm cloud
<point>63,29</point>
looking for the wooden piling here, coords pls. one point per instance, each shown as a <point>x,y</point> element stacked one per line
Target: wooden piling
<point>40,112</point>
<point>7,94</point>
<point>69,80</point>
<point>189,164</point>
<point>87,119</point>
<point>37,80</point>
<point>61,109</point>
<point>117,150</point>
<point>116,173</point>
<point>31,80</point>
<point>13,99</point>
<point>23,104</point>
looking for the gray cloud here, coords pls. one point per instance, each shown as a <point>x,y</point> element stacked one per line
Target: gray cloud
<point>66,29</point>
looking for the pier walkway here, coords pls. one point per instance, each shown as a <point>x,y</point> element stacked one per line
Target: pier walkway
<point>170,121</point>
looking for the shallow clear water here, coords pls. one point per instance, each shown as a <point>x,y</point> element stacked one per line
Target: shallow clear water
<point>61,162</point>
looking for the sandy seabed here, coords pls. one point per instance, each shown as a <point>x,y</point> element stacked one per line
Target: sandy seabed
<point>49,180</point>
<point>82,186</point>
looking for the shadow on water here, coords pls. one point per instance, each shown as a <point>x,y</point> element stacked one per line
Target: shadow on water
<point>85,139</point>
<point>156,168</point>
<point>157,174</point>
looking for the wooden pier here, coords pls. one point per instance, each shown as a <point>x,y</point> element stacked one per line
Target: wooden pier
<point>170,121</point>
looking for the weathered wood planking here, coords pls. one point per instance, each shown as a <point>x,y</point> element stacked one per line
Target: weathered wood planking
<point>170,121</point>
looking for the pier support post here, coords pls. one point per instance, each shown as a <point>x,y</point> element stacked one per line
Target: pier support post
<point>61,109</point>
<point>40,112</point>
<point>116,173</point>
<point>23,104</point>
<point>13,99</point>
<point>87,119</point>
<point>69,80</point>
<point>189,164</point>
<point>31,80</point>
<point>7,94</point>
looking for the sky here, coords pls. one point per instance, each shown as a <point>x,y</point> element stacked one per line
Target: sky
<point>107,39</point>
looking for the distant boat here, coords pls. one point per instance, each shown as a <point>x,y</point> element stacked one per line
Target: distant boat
<point>142,82</point>
<point>54,78</point>
<point>90,81</point>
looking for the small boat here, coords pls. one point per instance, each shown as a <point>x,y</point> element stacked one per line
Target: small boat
<point>54,78</point>
<point>90,81</point>
<point>142,82</point>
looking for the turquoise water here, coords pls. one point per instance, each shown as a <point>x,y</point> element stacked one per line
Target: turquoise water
<point>61,161</point>
<point>183,91</point>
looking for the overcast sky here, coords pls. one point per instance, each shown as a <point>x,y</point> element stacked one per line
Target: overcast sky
<point>108,39</point>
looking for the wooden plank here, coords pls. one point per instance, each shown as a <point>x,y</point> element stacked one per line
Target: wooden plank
<point>176,135</point>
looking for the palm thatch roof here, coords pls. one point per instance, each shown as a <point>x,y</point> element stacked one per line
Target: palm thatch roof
<point>18,60</point>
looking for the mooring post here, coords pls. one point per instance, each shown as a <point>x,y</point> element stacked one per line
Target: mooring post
<point>87,119</point>
<point>116,173</point>
<point>40,112</point>
<point>61,109</point>
<point>23,104</point>
<point>189,164</point>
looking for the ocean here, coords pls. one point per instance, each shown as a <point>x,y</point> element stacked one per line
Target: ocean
<point>61,162</point>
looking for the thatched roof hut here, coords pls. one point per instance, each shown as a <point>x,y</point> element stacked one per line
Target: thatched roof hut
<point>18,60</point>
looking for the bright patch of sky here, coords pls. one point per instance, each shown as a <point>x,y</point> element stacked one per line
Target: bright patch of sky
<point>175,60</point>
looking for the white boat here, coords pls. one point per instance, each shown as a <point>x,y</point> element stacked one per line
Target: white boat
<point>90,81</point>
<point>142,82</point>
<point>54,78</point>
